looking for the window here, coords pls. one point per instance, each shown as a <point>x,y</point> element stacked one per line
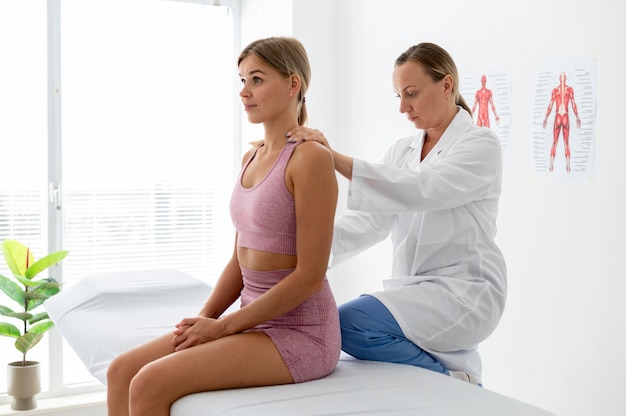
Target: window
<point>135,144</point>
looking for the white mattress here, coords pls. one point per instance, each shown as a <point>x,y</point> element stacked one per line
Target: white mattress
<point>360,388</point>
<point>105,314</point>
<point>94,313</point>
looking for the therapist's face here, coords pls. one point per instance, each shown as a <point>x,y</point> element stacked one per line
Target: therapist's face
<point>424,101</point>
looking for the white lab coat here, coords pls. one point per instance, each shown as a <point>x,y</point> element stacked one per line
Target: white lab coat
<point>448,285</point>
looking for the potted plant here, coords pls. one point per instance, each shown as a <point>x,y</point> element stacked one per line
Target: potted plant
<point>24,376</point>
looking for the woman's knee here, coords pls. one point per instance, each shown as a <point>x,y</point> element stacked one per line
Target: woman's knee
<point>147,389</point>
<point>118,372</point>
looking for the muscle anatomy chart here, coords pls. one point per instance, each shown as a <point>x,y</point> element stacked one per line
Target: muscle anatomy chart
<point>564,119</point>
<point>488,94</point>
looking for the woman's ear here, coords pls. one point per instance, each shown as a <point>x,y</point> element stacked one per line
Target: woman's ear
<point>294,89</point>
<point>448,84</point>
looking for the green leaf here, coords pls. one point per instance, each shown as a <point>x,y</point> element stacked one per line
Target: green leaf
<point>38,317</point>
<point>12,289</point>
<point>9,330</point>
<point>27,282</point>
<point>24,316</point>
<point>27,341</point>
<point>45,262</point>
<point>22,264</point>
<point>48,287</point>
<point>41,293</point>
<point>41,327</point>
<point>30,295</point>
<point>6,311</point>
<point>15,254</point>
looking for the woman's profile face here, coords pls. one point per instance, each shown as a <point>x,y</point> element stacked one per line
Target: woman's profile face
<point>264,92</point>
<point>424,101</point>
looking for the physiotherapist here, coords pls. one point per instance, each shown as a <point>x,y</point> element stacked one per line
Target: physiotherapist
<point>436,193</point>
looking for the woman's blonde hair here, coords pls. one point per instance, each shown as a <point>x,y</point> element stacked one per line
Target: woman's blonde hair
<point>288,57</point>
<point>437,63</point>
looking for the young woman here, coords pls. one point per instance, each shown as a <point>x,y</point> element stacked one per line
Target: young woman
<point>282,206</point>
<point>436,193</point>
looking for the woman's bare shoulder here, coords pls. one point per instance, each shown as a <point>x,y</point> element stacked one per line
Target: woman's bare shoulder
<point>312,160</point>
<point>312,150</point>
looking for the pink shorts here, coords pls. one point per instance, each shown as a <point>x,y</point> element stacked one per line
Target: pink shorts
<point>307,337</point>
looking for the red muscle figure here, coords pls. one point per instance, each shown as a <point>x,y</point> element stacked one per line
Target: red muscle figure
<point>483,99</point>
<point>561,95</point>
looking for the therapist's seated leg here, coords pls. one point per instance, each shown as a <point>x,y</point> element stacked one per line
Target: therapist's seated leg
<point>370,332</point>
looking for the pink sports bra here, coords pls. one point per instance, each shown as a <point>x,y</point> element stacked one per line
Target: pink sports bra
<point>264,215</point>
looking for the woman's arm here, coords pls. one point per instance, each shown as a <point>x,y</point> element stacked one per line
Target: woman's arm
<point>230,283</point>
<point>226,290</point>
<point>465,171</point>
<point>205,326</point>
<point>343,164</point>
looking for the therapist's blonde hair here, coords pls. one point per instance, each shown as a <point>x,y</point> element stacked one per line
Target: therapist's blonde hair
<point>287,56</point>
<point>437,63</point>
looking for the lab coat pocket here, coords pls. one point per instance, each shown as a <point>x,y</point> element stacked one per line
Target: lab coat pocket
<point>397,282</point>
<point>460,270</point>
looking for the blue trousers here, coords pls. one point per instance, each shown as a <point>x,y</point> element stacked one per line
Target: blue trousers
<point>370,332</point>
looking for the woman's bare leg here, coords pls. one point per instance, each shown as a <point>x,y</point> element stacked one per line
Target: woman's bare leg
<point>123,368</point>
<point>241,360</point>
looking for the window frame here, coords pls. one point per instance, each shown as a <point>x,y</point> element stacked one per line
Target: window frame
<point>56,384</point>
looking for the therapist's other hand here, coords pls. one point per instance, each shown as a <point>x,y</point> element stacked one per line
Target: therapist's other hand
<point>301,133</point>
<point>195,331</point>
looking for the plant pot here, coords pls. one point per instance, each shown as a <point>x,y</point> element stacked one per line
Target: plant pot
<point>24,383</point>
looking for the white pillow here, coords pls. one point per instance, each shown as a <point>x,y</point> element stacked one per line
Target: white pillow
<point>105,314</point>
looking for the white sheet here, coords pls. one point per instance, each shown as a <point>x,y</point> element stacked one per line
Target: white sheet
<point>105,314</point>
<point>360,388</point>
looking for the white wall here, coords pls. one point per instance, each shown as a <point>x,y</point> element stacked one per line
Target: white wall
<point>558,345</point>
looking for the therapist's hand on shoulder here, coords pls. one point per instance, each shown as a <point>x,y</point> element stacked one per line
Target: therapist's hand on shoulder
<point>302,133</point>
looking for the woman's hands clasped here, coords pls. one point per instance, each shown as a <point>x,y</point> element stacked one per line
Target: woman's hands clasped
<point>195,331</point>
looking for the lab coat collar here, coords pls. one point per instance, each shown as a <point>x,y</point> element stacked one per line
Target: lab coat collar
<point>459,125</point>
<point>418,141</point>
<point>457,128</point>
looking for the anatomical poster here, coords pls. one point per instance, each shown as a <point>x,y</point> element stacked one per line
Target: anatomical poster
<point>564,114</point>
<point>488,94</point>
